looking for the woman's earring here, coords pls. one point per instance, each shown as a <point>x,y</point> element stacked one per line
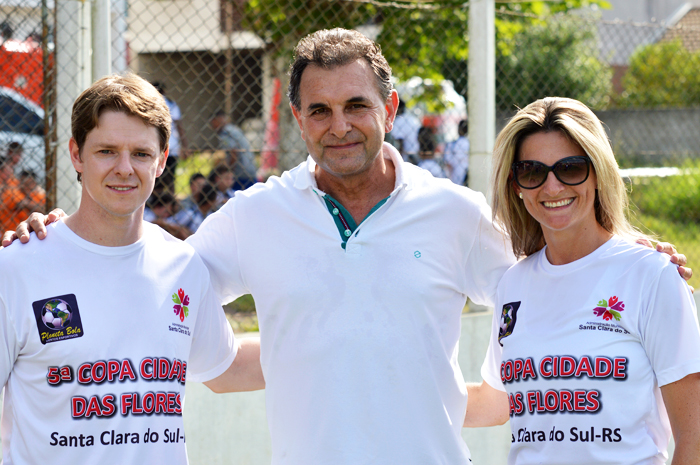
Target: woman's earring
<point>520,194</point>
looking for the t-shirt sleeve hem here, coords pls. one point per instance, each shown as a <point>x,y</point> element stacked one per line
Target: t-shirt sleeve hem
<point>217,370</point>
<point>671,375</point>
<point>491,381</point>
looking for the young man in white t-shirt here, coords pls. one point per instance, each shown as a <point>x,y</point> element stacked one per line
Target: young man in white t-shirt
<point>102,322</point>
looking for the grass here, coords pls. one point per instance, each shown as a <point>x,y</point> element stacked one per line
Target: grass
<point>684,235</point>
<point>669,208</point>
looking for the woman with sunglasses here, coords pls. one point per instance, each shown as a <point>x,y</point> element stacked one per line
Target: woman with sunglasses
<point>595,344</point>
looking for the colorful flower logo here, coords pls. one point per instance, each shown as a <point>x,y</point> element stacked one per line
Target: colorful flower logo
<point>610,308</point>
<point>181,300</point>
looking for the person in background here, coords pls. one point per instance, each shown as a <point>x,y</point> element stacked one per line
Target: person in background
<point>239,156</point>
<point>405,133</point>
<point>33,195</point>
<point>595,345</point>
<point>191,218</point>
<point>10,194</point>
<point>426,142</point>
<point>15,150</point>
<point>221,177</point>
<point>160,209</point>
<point>177,143</point>
<point>197,181</point>
<point>456,155</point>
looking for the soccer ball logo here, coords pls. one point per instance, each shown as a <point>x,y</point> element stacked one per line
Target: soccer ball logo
<point>509,315</point>
<point>56,314</point>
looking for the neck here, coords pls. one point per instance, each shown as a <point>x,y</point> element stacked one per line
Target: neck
<point>107,230</point>
<point>568,246</point>
<point>359,193</point>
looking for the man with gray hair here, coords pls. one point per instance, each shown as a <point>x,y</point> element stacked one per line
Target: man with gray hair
<point>360,265</point>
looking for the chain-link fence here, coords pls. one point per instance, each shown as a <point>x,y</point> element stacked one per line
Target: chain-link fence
<point>221,65</point>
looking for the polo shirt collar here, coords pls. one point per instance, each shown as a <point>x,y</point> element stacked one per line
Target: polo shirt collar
<point>305,178</point>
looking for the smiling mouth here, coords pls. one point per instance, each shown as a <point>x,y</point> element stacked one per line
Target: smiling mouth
<point>122,189</point>
<point>558,203</point>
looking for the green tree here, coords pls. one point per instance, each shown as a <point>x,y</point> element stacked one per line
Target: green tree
<point>662,75</point>
<point>553,58</point>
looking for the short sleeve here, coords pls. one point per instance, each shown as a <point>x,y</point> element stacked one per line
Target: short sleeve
<point>489,258</point>
<point>669,329</point>
<point>9,344</point>
<point>214,346</point>
<point>216,243</point>
<point>490,369</point>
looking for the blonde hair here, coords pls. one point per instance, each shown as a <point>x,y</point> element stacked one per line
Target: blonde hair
<point>581,126</point>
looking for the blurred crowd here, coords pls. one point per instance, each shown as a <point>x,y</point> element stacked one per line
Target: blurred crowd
<point>418,143</point>
<point>20,194</point>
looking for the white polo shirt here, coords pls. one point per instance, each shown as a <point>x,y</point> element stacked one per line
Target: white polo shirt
<point>359,344</point>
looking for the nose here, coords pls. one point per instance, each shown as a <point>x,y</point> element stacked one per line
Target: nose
<point>124,167</point>
<point>552,185</point>
<point>340,125</point>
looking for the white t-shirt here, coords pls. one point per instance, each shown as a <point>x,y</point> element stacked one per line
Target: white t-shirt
<point>95,346</point>
<point>586,346</point>
<point>359,345</point>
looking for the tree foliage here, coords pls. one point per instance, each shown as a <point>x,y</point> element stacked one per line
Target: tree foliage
<point>662,75</point>
<point>553,58</point>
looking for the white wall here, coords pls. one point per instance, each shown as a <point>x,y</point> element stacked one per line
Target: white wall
<point>644,10</point>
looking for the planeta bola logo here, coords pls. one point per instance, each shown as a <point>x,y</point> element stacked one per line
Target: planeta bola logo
<point>509,316</point>
<point>58,318</point>
<point>610,308</point>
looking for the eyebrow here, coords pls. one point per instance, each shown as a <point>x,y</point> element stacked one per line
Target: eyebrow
<point>115,146</point>
<point>357,99</point>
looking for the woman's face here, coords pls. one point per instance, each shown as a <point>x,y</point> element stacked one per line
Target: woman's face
<point>559,208</point>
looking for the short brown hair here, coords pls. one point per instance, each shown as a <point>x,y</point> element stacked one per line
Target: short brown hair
<point>329,49</point>
<point>126,93</point>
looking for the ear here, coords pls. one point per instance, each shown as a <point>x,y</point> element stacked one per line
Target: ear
<point>391,106</point>
<point>161,163</point>
<point>517,189</point>
<point>75,155</point>
<point>297,116</point>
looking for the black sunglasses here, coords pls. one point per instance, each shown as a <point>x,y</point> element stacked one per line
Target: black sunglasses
<point>572,171</point>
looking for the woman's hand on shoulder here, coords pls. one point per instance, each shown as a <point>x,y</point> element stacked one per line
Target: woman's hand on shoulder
<point>676,258</point>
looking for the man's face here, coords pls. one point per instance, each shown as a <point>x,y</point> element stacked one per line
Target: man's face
<point>14,156</point>
<point>217,123</point>
<point>27,184</point>
<point>119,162</point>
<point>224,181</point>
<point>343,118</point>
<point>197,184</point>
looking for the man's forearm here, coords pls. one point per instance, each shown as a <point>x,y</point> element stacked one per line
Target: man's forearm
<point>245,373</point>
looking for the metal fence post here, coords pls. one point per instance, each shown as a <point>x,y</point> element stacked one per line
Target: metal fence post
<point>482,93</point>
<point>72,76</point>
<point>101,39</point>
